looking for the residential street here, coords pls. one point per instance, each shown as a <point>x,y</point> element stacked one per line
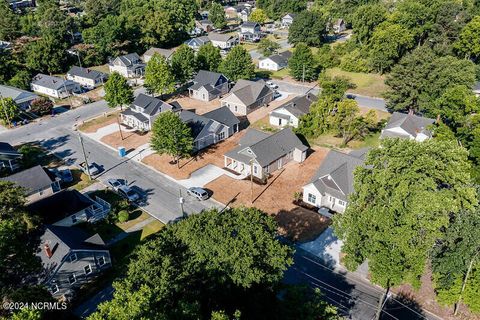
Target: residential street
<point>354,297</point>
<point>58,135</point>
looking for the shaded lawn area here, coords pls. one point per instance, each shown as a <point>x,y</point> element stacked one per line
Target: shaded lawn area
<point>103,68</point>
<point>249,46</point>
<point>91,126</point>
<point>264,125</point>
<point>80,180</point>
<point>368,84</point>
<point>280,74</point>
<point>34,154</point>
<point>329,140</point>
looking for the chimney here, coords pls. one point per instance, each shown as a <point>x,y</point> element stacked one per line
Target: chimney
<point>48,251</point>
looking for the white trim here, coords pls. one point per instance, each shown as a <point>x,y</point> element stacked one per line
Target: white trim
<point>74,279</point>
<point>90,267</point>
<point>71,257</point>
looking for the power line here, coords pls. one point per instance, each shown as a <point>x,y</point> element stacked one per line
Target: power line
<point>345,294</point>
<point>373,287</point>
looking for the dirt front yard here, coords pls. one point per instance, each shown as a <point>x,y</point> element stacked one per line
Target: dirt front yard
<point>197,106</point>
<point>212,155</point>
<point>276,198</point>
<point>132,140</point>
<point>263,111</point>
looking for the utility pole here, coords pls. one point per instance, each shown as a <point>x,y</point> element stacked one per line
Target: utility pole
<point>470,266</point>
<point>84,156</point>
<point>120,128</point>
<point>251,180</point>
<point>303,74</point>
<point>181,201</point>
<point>79,61</point>
<point>382,302</point>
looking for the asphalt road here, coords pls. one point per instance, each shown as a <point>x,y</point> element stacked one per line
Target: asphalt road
<point>59,136</point>
<point>354,297</point>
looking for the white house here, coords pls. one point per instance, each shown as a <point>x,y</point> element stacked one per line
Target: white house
<point>275,62</point>
<point>223,41</point>
<point>54,86</point>
<point>333,182</point>
<point>86,77</point>
<point>287,20</point>
<point>129,66</point>
<point>250,31</point>
<point>407,126</point>
<point>339,26</point>
<point>289,113</point>
<point>208,85</point>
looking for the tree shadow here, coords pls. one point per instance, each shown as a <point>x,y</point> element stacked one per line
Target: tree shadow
<point>403,306</point>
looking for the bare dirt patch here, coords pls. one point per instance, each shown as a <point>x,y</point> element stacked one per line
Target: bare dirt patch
<point>197,106</point>
<point>276,198</point>
<point>132,140</point>
<point>212,155</point>
<point>91,126</point>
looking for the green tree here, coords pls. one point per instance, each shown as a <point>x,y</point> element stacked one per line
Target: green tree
<point>334,89</point>
<point>389,42</point>
<point>307,27</point>
<point>108,36</point>
<point>96,10</point>
<point>184,63</point>
<point>52,20</point>
<point>346,120</point>
<point>47,54</point>
<point>258,15</point>
<point>27,314</point>
<point>468,43</point>
<point>117,91</point>
<point>217,15</point>
<point>238,64</point>
<point>404,196</point>
<point>276,9</point>
<point>268,47</point>
<point>235,251</point>
<point>456,261</point>
<point>302,63</point>
<point>421,77</point>
<point>170,135</point>
<point>159,77</point>
<point>455,104</point>
<point>9,24</point>
<point>8,110</point>
<point>21,80</point>
<point>209,57</point>
<point>365,19</point>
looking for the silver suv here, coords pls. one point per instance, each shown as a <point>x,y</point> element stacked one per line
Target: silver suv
<point>199,193</point>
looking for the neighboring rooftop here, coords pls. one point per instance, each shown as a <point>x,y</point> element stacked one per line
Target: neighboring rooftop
<point>281,58</point>
<point>201,126</point>
<point>33,179</point>
<point>223,115</point>
<point>410,123</point>
<point>17,95</point>
<point>300,105</point>
<point>152,105</point>
<point>50,82</point>
<point>250,91</point>
<point>129,59</point>
<point>163,52</point>
<point>213,36</point>
<point>206,79</point>
<point>86,73</point>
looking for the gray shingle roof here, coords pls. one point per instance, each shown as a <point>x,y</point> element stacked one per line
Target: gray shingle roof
<point>201,126</point>
<point>200,41</point>
<point>18,95</point>
<point>86,73</point>
<point>266,149</point>
<point>300,105</point>
<point>335,175</point>
<point>51,82</point>
<point>223,115</point>
<point>281,58</point>
<point>7,152</point>
<point>130,59</point>
<point>411,123</point>
<point>61,240</point>
<point>32,179</point>
<point>151,105</point>
<point>213,36</point>
<point>207,79</point>
<point>164,52</point>
<point>250,91</point>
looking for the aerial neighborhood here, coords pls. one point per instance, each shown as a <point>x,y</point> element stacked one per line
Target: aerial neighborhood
<point>233,160</point>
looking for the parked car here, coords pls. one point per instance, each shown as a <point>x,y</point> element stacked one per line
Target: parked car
<point>128,193</point>
<point>115,184</point>
<point>199,193</point>
<point>272,85</point>
<point>92,167</point>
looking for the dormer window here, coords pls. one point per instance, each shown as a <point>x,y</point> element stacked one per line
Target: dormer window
<point>73,257</point>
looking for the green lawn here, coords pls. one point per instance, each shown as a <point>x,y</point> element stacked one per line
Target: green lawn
<point>93,125</point>
<point>280,74</point>
<point>368,84</point>
<point>103,68</point>
<point>330,141</point>
<point>249,46</point>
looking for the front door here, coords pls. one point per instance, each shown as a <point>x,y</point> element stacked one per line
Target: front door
<point>279,163</point>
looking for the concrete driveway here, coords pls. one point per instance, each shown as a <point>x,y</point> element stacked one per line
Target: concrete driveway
<point>205,175</point>
<point>326,247</point>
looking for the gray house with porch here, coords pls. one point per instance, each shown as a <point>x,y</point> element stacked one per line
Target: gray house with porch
<point>208,85</point>
<point>70,258</point>
<point>265,153</point>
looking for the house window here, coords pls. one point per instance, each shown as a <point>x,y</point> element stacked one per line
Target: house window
<point>236,108</point>
<point>221,136</point>
<point>255,170</point>
<point>342,203</point>
<point>101,261</point>
<point>72,279</point>
<point>54,288</point>
<point>312,198</point>
<point>279,122</point>
<point>87,269</point>
<point>73,257</point>
<point>74,218</point>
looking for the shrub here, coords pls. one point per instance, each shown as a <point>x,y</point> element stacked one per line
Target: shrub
<point>122,216</point>
<point>354,62</point>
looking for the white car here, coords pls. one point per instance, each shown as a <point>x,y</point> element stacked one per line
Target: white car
<point>115,184</point>
<point>199,193</point>
<point>272,85</point>
<point>128,193</point>
<point>92,168</point>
